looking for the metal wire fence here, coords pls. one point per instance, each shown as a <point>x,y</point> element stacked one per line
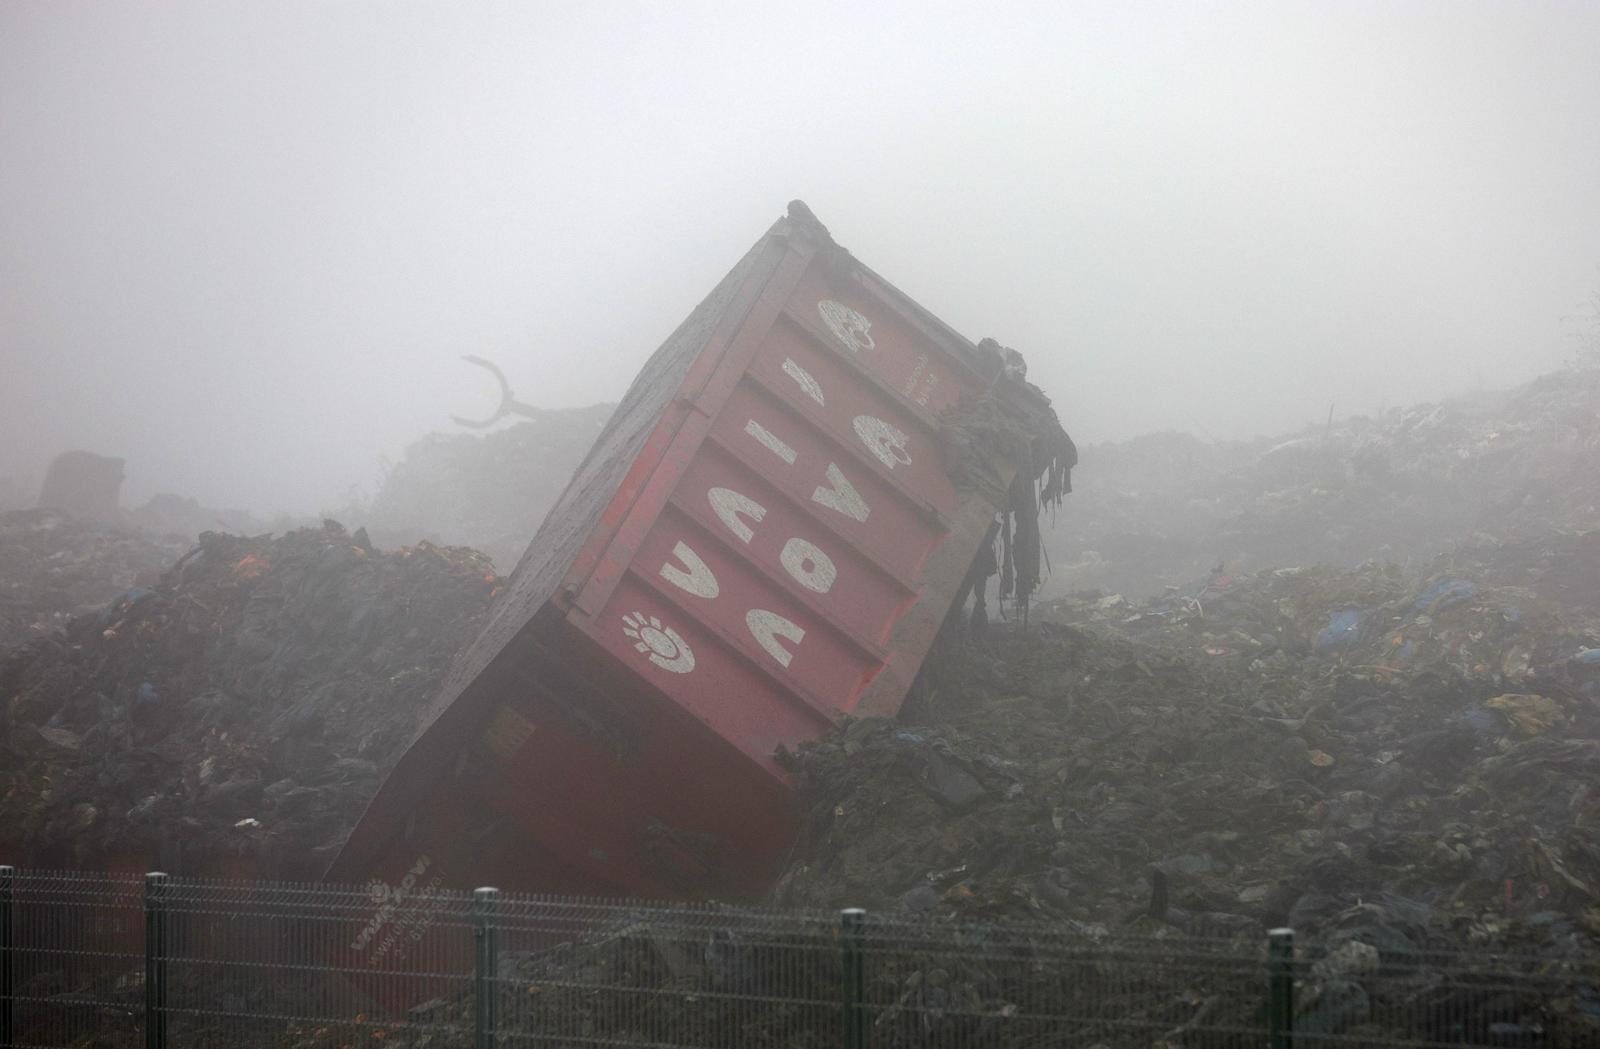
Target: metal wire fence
<point>112,961</point>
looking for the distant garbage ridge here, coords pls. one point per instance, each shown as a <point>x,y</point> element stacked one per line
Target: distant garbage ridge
<point>1166,509</point>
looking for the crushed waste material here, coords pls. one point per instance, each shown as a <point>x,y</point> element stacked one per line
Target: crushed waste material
<point>235,714</point>
<point>1209,763</point>
<point>54,566</point>
<point>1350,685</point>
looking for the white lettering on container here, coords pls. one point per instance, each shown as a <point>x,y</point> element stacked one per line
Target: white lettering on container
<point>770,440</point>
<point>919,387</point>
<point>694,577</point>
<point>809,386</point>
<point>766,627</point>
<point>842,497</point>
<point>729,505</point>
<point>810,567</point>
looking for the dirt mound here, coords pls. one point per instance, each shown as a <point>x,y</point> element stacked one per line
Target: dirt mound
<point>1408,755</point>
<point>236,714</point>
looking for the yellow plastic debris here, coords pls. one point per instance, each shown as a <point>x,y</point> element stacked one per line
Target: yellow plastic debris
<point>1531,715</point>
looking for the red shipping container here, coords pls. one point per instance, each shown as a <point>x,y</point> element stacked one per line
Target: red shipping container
<point>765,538</point>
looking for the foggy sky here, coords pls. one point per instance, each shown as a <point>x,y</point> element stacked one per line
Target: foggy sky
<point>243,245</point>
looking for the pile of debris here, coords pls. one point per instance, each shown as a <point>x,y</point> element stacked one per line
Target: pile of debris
<point>1404,487</point>
<point>1409,760</point>
<point>490,491</point>
<point>1404,767</point>
<point>236,714</point>
<point>53,567</point>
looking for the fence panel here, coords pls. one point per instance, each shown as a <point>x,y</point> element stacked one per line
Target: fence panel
<point>112,962</point>
<point>940,984</point>
<point>287,965</point>
<point>77,959</point>
<point>593,974</point>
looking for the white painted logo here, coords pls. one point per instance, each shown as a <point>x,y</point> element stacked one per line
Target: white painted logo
<point>850,327</point>
<point>694,577</point>
<point>808,385</point>
<point>666,648</point>
<point>883,440</point>
<point>766,627</point>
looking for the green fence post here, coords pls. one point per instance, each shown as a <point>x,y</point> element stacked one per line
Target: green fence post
<point>1280,989</point>
<point>852,934</point>
<point>155,960</point>
<point>8,882</point>
<point>485,970</point>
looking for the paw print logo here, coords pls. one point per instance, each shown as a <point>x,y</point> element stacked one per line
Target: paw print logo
<point>666,648</point>
<point>884,440</point>
<point>851,328</point>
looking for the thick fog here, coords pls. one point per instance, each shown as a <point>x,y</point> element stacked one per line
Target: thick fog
<point>244,245</point>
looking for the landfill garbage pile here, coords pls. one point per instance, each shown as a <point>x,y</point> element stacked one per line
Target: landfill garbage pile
<point>1404,487</point>
<point>489,491</point>
<point>1402,766</point>
<point>53,567</point>
<point>1410,760</point>
<point>235,715</point>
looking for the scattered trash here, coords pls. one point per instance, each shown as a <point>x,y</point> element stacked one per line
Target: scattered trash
<point>1343,630</point>
<point>1381,790</point>
<point>1443,594</point>
<point>1396,758</point>
<point>59,737</point>
<point>54,567</point>
<point>1531,715</point>
<point>284,674</point>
